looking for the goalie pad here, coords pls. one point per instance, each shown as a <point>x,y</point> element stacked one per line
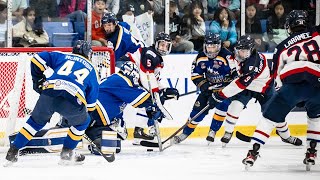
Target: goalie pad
<point>45,141</point>
<point>109,142</point>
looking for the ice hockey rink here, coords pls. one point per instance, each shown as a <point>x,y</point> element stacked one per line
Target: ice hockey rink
<point>193,159</point>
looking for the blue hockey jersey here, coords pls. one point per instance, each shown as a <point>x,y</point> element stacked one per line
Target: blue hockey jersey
<point>115,93</point>
<point>68,75</point>
<point>123,41</point>
<point>217,71</point>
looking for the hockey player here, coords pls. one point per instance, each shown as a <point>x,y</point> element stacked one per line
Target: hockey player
<point>150,62</point>
<point>256,81</point>
<point>118,37</point>
<point>211,70</point>
<point>68,85</point>
<point>297,65</point>
<point>115,93</point>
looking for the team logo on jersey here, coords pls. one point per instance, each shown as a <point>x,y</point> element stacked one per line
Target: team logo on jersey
<point>197,104</point>
<point>58,83</point>
<point>203,65</point>
<point>216,64</point>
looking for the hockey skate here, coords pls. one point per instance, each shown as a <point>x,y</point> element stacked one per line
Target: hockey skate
<point>12,156</point>
<point>140,135</point>
<point>211,136</point>
<point>70,157</point>
<point>178,139</point>
<point>311,155</point>
<point>291,140</point>
<point>251,156</point>
<point>226,138</point>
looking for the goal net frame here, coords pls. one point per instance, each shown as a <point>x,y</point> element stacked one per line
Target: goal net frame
<point>18,98</point>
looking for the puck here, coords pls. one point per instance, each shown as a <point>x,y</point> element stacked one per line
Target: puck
<point>149,150</point>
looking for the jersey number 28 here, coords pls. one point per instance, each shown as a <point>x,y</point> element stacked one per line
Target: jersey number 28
<point>310,50</point>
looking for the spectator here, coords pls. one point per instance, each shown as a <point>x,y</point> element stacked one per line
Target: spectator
<point>262,6</point>
<point>140,7</point>
<point>29,32</point>
<point>232,5</point>
<point>253,27</point>
<point>193,27</point>
<point>97,31</point>
<point>47,9</point>
<point>276,25</point>
<point>130,19</point>
<point>178,44</point>
<point>3,24</point>
<point>113,6</point>
<point>67,7</point>
<point>17,9</point>
<point>225,26</point>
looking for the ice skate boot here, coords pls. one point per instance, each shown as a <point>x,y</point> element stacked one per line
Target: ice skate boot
<point>311,155</point>
<point>210,137</point>
<point>139,135</point>
<point>70,157</point>
<point>226,138</point>
<point>291,140</point>
<point>12,156</point>
<point>178,139</point>
<point>251,156</point>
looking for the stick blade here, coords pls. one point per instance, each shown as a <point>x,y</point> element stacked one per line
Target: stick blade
<point>243,137</point>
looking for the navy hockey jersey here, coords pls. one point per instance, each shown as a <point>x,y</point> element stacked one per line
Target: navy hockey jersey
<point>254,74</point>
<point>149,61</point>
<point>297,57</point>
<point>123,41</point>
<point>217,71</point>
<point>115,93</point>
<point>68,75</point>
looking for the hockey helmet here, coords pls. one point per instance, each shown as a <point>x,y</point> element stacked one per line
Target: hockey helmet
<point>82,48</point>
<point>131,71</point>
<point>296,20</point>
<point>109,17</point>
<point>244,48</point>
<point>212,45</point>
<point>163,43</point>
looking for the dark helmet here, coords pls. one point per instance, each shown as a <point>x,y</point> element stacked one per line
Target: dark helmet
<point>163,37</point>
<point>82,48</point>
<point>296,19</point>
<point>245,42</point>
<point>131,71</point>
<point>212,39</point>
<point>109,17</point>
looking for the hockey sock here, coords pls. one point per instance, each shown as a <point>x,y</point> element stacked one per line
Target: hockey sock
<point>313,131</point>
<point>75,135</point>
<point>217,119</point>
<point>233,113</point>
<point>192,125</point>
<point>283,130</point>
<point>26,133</point>
<point>263,131</point>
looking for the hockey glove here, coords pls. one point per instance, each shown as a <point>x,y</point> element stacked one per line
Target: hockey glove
<point>215,99</point>
<point>204,88</point>
<point>38,84</point>
<point>154,113</point>
<point>169,93</point>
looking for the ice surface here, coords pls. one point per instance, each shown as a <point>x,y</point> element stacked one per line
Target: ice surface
<point>193,159</point>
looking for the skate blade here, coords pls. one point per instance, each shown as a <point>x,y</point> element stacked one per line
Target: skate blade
<point>247,167</point>
<point>224,145</point>
<point>69,163</point>
<point>8,163</point>
<point>136,142</point>
<point>209,143</point>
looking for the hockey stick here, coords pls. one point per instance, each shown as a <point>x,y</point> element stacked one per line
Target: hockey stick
<point>152,144</point>
<point>156,124</point>
<point>109,157</point>
<point>243,137</point>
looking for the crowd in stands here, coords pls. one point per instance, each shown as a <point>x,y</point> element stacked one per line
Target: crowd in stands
<point>190,20</point>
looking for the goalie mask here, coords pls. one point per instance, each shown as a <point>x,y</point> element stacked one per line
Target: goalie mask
<point>163,43</point>
<point>82,48</point>
<point>131,71</point>
<point>244,48</point>
<point>212,45</point>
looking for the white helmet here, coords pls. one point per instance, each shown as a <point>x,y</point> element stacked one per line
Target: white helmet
<point>131,71</point>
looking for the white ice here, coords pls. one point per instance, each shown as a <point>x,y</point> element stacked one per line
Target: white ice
<point>191,160</point>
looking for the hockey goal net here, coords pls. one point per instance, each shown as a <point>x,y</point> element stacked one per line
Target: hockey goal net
<point>17,98</point>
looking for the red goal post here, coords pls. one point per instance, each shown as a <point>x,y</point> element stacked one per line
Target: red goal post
<point>17,97</point>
